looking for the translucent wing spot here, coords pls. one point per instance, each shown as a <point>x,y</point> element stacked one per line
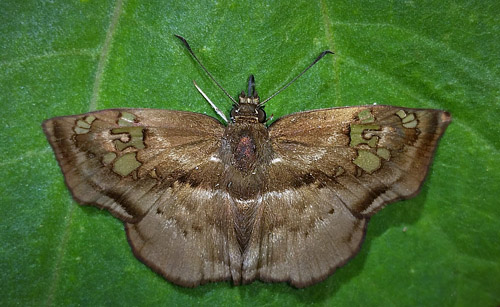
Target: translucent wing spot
<point>401,114</point>
<point>359,136</point>
<point>384,153</point>
<point>126,119</point>
<point>126,164</point>
<point>408,120</point>
<point>108,158</point>
<point>366,116</point>
<point>129,139</point>
<point>370,157</point>
<point>368,161</point>
<point>83,125</point>
<point>134,138</point>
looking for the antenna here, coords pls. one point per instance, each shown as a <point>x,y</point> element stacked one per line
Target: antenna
<point>298,76</point>
<point>251,82</point>
<point>217,110</point>
<point>206,70</point>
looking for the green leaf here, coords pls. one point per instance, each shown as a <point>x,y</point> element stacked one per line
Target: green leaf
<point>68,57</point>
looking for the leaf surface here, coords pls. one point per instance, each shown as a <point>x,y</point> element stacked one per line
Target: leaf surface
<point>63,58</point>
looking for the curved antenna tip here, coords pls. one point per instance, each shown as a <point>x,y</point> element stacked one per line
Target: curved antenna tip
<point>184,41</point>
<point>322,54</point>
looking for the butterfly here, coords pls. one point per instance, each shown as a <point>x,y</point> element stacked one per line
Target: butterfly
<point>204,202</point>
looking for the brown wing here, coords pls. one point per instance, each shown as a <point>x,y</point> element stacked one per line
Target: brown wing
<point>155,170</point>
<point>331,171</point>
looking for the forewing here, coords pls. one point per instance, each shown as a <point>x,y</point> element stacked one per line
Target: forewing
<point>155,170</point>
<point>332,169</point>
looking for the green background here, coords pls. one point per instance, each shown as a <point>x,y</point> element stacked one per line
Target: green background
<point>440,248</point>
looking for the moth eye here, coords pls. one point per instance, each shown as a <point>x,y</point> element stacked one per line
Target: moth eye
<point>261,115</point>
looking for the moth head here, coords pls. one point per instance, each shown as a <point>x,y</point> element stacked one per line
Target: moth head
<point>249,107</point>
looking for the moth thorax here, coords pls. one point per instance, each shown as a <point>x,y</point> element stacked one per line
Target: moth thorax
<point>245,154</point>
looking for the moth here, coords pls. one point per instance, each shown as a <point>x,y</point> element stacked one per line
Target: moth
<point>204,202</point>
